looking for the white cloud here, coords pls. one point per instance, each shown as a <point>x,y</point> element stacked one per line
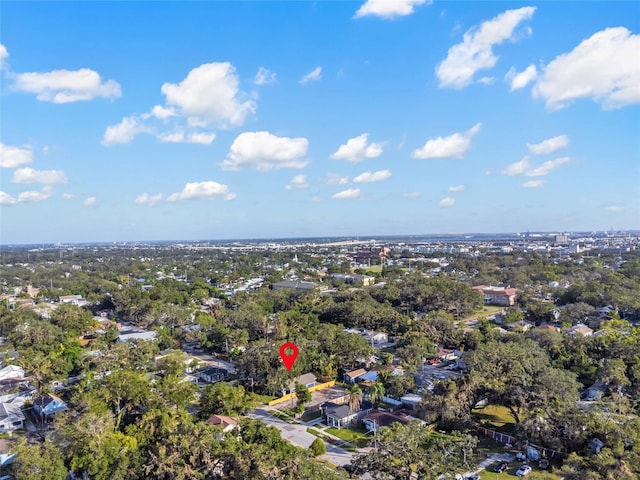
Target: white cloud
<point>546,167</point>
<point>265,151</point>
<point>357,149</point>
<point>162,113</point>
<point>533,184</point>
<point>6,199</point>
<point>487,80</point>
<point>453,146</point>
<point>124,131</point>
<point>91,202</point>
<point>335,179</point>
<point>64,86</point>
<point>522,79</point>
<point>476,50</point>
<point>614,208</point>
<point>209,95</point>
<point>457,188</point>
<point>446,202</point>
<point>549,145</point>
<point>264,76</point>
<point>371,177</point>
<point>4,54</point>
<point>411,195</point>
<point>517,168</point>
<point>350,193</point>
<point>68,196</point>
<point>35,196</point>
<point>180,137</point>
<point>313,76</point>
<point>203,191</point>
<point>12,157</point>
<point>604,67</point>
<point>523,167</point>
<point>146,199</point>
<point>298,182</point>
<point>388,9</point>
<point>29,175</point>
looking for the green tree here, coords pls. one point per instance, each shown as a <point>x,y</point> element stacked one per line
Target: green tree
<point>318,447</point>
<point>375,392</point>
<point>224,399</point>
<point>35,462</point>
<point>354,397</point>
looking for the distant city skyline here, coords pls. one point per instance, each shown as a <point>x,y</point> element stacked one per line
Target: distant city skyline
<point>143,121</point>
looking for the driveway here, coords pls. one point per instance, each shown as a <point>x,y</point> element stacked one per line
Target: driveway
<point>298,436</point>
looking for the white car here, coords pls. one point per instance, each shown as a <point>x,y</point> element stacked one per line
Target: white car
<point>523,470</point>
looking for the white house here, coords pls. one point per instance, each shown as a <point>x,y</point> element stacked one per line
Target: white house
<point>11,372</point>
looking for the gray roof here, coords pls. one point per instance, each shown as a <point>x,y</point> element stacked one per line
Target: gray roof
<point>297,284</point>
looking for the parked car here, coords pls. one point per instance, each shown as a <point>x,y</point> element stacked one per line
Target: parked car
<point>500,467</point>
<point>523,470</point>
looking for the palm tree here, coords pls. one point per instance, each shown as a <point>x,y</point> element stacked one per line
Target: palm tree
<point>376,392</point>
<point>354,397</point>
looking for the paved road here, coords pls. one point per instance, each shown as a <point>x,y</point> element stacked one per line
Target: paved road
<point>298,435</point>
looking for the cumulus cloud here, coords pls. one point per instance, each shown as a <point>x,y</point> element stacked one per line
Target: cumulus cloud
<point>604,67</point>
<point>517,168</point>
<point>91,202</point>
<point>446,202</point>
<point>265,151</point>
<point>203,191</point>
<point>371,177</point>
<point>6,199</point>
<point>146,199</point>
<point>453,146</point>
<point>411,195</point>
<point>357,149</point>
<point>68,196</point>
<point>29,175</point>
<point>210,95</point>
<point>264,76</point>
<point>297,182</point>
<point>476,50</point>
<point>388,9</point>
<point>12,157</point>
<point>457,188</point>
<point>125,131</point>
<point>546,167</point>
<point>523,167</point>
<point>349,194</point>
<point>4,54</point>
<point>522,79</point>
<point>64,86</point>
<point>549,145</point>
<point>313,76</point>
<point>161,112</point>
<point>335,179</point>
<point>614,208</point>
<point>180,137</point>
<point>30,196</point>
<point>533,184</point>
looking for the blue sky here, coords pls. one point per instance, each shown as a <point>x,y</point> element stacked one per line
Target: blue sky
<point>212,120</point>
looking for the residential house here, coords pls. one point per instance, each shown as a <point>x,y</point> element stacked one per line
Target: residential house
<point>580,329</point>
<point>11,372</point>
<point>378,418</point>
<point>341,415</point>
<point>297,285</point>
<point>212,374</point>
<point>128,333</point>
<point>354,375</point>
<point>227,423</point>
<point>447,354</point>
<point>411,399</point>
<point>498,295</point>
<point>48,404</point>
<point>308,380</point>
<point>11,416</point>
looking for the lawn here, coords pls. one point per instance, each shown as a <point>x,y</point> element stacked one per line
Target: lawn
<point>510,474</point>
<point>356,436</point>
<point>308,416</point>
<point>496,416</point>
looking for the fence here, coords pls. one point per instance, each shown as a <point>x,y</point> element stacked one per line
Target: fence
<point>289,396</point>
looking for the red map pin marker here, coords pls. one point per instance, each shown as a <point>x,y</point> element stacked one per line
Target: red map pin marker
<point>288,360</point>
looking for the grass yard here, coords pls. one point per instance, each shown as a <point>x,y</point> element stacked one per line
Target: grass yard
<point>308,416</point>
<point>356,436</point>
<point>496,416</point>
<point>510,474</point>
